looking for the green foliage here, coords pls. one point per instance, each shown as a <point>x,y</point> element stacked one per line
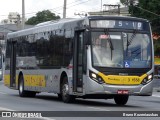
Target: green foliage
<point>128,2</point>
<point>42,16</point>
<point>124,2</point>
<point>144,11</point>
<point>157,47</point>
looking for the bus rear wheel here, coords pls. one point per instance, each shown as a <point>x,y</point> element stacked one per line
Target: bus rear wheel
<point>65,92</point>
<point>121,99</point>
<point>22,92</point>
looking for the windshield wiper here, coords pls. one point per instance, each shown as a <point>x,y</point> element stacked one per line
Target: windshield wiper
<point>106,31</point>
<point>131,38</point>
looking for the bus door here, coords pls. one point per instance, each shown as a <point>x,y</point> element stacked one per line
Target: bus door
<point>13,65</point>
<point>78,61</point>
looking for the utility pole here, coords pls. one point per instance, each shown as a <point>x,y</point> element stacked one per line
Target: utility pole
<point>23,14</point>
<point>64,8</point>
<point>101,5</point>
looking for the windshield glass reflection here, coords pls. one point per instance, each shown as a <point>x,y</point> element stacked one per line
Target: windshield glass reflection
<point>121,50</point>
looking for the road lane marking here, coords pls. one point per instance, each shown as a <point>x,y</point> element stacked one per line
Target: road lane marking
<point>3,93</point>
<point>96,108</point>
<point>155,95</point>
<point>5,109</point>
<point>46,118</point>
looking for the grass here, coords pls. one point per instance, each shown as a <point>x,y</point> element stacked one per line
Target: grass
<point>157,60</point>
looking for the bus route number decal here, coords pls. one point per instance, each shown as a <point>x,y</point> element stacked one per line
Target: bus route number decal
<point>135,80</point>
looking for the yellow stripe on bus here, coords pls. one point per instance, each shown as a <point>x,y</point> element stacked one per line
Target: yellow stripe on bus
<point>7,80</point>
<point>29,80</point>
<point>35,80</point>
<point>122,80</point>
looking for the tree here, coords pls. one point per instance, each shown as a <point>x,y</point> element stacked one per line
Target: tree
<point>148,9</point>
<point>128,2</point>
<point>125,2</point>
<point>42,16</point>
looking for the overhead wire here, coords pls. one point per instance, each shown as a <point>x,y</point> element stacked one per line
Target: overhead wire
<point>72,5</point>
<point>147,11</point>
<point>59,8</point>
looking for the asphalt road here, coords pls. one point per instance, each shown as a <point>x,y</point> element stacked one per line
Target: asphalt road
<point>10,101</point>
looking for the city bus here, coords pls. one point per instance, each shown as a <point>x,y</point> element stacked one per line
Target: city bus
<point>2,55</point>
<point>95,57</point>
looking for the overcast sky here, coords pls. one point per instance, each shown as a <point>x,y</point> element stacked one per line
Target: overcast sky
<point>56,6</point>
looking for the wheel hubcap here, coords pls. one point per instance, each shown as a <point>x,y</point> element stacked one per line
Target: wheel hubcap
<point>21,87</point>
<point>65,90</point>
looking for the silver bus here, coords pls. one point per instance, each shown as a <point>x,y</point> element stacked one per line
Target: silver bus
<point>107,57</point>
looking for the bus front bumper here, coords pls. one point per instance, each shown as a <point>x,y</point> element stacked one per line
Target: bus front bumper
<point>139,90</point>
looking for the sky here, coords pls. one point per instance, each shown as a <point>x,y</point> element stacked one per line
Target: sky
<point>55,6</point>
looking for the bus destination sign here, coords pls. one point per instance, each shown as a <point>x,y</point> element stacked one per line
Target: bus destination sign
<point>117,24</point>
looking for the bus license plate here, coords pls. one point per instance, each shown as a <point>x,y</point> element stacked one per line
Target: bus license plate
<point>122,92</point>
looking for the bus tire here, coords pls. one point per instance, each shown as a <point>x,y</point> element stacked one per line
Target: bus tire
<point>121,99</point>
<point>31,94</point>
<point>22,92</point>
<point>65,92</point>
<point>59,96</point>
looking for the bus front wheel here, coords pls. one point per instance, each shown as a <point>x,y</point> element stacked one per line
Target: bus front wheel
<point>65,92</point>
<point>121,99</point>
<point>22,92</point>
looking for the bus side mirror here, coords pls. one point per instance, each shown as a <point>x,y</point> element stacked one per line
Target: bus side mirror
<point>87,38</point>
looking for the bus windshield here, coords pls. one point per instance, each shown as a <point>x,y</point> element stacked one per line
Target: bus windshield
<point>121,49</point>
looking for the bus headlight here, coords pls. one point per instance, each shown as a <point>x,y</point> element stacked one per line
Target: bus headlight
<point>148,79</point>
<point>96,77</point>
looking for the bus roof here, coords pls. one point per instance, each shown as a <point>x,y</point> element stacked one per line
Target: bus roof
<point>73,22</point>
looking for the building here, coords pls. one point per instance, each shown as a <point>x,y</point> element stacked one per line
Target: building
<point>7,28</point>
<point>13,18</point>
